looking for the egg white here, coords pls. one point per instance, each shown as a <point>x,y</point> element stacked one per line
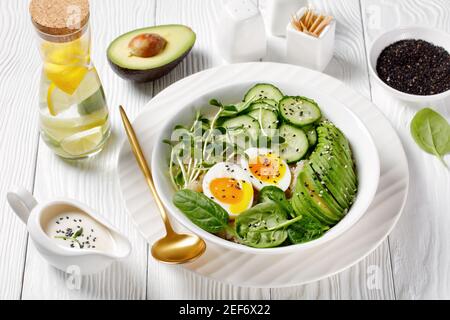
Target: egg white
<point>253,153</point>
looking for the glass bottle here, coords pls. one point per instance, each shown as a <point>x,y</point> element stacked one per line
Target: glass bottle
<point>73,111</point>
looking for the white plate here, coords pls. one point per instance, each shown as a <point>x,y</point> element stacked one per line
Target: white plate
<point>262,270</point>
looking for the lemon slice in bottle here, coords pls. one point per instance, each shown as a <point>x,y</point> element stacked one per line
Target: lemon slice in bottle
<point>57,100</point>
<point>66,64</point>
<point>82,143</point>
<point>65,77</point>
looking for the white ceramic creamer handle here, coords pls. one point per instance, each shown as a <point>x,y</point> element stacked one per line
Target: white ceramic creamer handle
<point>22,202</point>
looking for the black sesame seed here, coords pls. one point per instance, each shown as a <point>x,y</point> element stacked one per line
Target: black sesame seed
<point>415,67</point>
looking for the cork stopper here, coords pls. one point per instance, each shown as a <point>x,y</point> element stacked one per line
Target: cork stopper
<point>60,17</point>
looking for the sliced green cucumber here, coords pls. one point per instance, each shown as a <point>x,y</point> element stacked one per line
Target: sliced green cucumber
<point>264,91</point>
<point>240,129</point>
<point>299,111</point>
<point>267,118</point>
<point>271,102</point>
<point>296,145</point>
<point>311,133</point>
<point>241,122</point>
<point>262,105</point>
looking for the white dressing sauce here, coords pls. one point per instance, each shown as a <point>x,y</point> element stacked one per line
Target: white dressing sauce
<point>77,230</point>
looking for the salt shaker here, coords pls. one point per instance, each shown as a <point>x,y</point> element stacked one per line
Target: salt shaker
<point>241,35</point>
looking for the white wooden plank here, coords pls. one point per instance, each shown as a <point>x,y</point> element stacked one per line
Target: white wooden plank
<point>168,282</point>
<point>18,136</point>
<point>95,181</point>
<point>419,243</point>
<point>348,65</point>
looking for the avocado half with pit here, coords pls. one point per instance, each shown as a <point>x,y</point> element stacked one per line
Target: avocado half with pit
<point>147,54</point>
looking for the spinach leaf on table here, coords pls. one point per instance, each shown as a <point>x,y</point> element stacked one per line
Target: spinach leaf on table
<point>431,132</point>
<point>201,210</point>
<point>263,226</point>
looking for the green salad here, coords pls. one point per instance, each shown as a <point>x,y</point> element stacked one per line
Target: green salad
<point>265,172</point>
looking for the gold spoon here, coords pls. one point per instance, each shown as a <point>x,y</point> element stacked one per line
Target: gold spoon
<point>174,248</point>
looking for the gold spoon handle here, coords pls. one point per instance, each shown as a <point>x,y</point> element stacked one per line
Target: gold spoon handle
<point>140,158</point>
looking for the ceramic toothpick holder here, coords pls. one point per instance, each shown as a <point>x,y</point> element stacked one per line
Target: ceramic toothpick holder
<point>43,221</point>
<point>308,51</point>
<point>280,12</point>
<point>240,32</point>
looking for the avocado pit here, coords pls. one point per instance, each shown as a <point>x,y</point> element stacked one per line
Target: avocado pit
<point>147,45</point>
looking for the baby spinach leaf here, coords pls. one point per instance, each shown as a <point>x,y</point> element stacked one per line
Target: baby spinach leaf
<point>304,230</point>
<point>201,210</point>
<point>263,226</point>
<point>431,132</point>
<point>272,193</point>
<point>307,229</point>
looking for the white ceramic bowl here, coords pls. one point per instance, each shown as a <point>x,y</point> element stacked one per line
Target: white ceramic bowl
<point>365,153</point>
<point>434,36</point>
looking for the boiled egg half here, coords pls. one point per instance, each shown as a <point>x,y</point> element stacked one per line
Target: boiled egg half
<point>229,185</point>
<point>266,169</point>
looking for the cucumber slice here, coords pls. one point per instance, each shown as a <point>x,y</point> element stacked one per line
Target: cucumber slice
<point>271,102</point>
<point>311,133</point>
<point>296,145</point>
<point>264,91</point>
<point>299,111</point>
<point>267,118</point>
<point>241,129</point>
<point>262,105</point>
<point>244,122</point>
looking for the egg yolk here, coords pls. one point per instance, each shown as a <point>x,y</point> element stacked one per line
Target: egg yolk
<point>267,168</point>
<point>237,194</point>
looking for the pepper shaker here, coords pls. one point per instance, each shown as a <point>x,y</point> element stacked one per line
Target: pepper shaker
<point>241,35</point>
<point>280,13</point>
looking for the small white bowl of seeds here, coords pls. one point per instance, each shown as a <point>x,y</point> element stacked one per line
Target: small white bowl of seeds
<point>412,63</point>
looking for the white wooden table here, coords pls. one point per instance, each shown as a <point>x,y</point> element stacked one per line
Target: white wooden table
<point>413,263</point>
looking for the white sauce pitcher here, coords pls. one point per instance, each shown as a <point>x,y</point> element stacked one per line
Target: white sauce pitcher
<point>35,215</point>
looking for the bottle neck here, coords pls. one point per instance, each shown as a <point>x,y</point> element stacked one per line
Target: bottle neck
<point>66,49</point>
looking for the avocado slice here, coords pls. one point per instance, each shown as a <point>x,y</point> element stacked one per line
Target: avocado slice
<point>332,163</point>
<point>323,192</point>
<point>179,41</point>
<point>330,133</point>
<point>312,203</point>
<point>327,153</point>
<point>302,207</point>
<point>338,192</point>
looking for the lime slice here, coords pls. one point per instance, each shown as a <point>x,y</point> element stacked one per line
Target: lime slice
<point>82,143</point>
<point>89,86</point>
